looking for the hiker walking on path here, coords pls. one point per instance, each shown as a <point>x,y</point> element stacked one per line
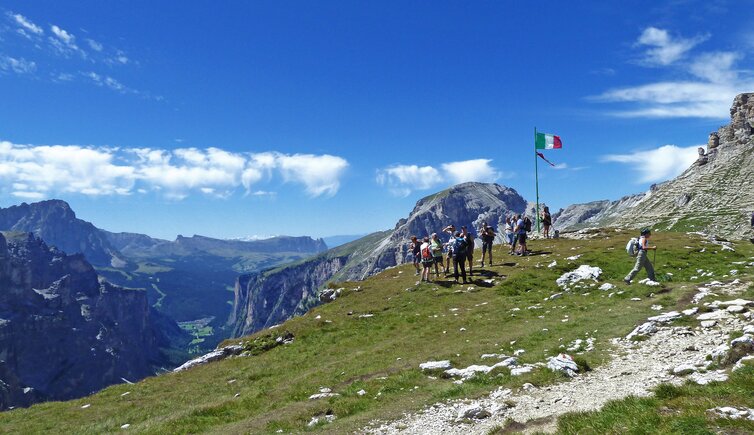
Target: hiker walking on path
<point>469,247</point>
<point>415,248</point>
<point>642,258</point>
<point>546,221</point>
<point>427,259</point>
<point>436,248</point>
<point>488,237</point>
<point>459,256</point>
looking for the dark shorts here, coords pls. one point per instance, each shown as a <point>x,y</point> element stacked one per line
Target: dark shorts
<point>428,261</point>
<point>417,258</point>
<point>438,259</point>
<point>522,238</point>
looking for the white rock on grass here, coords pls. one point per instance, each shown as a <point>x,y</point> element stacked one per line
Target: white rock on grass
<point>742,302</point>
<point>649,282</point>
<point>521,370</point>
<point>735,309</point>
<point>690,311</point>
<point>719,353</point>
<point>643,330</point>
<point>584,272</point>
<point>708,323</point>
<point>435,365</point>
<point>714,315</point>
<point>125,426</point>
<point>606,287</point>
<point>361,393</point>
<point>323,394</point>
<point>747,360</point>
<point>732,413</point>
<point>666,317</point>
<point>563,363</point>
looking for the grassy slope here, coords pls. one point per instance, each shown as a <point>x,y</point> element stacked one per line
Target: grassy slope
<point>381,354</point>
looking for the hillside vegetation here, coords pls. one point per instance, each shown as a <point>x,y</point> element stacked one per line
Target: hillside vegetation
<point>367,345</point>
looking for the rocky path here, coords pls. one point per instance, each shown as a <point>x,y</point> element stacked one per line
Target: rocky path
<point>635,369</point>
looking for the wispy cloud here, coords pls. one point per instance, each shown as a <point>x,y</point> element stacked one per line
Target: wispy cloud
<point>659,164</point>
<point>664,49</point>
<point>16,65</point>
<point>703,84</point>
<point>46,48</point>
<point>37,171</point>
<point>401,180</point>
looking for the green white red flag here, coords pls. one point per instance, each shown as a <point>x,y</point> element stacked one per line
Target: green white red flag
<point>544,141</point>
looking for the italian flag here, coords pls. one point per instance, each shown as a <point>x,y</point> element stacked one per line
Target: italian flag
<point>545,141</point>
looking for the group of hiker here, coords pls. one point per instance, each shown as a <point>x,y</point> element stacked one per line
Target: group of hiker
<point>432,253</point>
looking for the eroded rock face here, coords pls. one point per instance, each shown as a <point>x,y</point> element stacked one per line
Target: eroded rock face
<point>64,334</point>
<point>720,179</point>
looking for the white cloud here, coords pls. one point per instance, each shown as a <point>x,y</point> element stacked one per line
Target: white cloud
<point>401,180</point>
<point>26,25</point>
<point>94,45</point>
<point>659,164</point>
<point>18,66</point>
<point>471,170</point>
<point>703,87</point>
<point>664,48</point>
<point>40,171</point>
<point>67,38</point>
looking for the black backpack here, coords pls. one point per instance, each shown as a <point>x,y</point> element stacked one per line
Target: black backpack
<point>527,225</point>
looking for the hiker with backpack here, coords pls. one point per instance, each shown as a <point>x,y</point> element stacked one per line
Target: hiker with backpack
<point>427,259</point>
<point>546,221</point>
<point>488,238</point>
<point>469,247</point>
<point>460,254</point>
<point>639,248</point>
<point>415,248</point>
<point>436,248</point>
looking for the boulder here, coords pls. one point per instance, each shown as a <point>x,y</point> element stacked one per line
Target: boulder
<point>563,363</point>
<point>643,330</point>
<point>474,412</point>
<point>435,365</point>
<point>684,369</point>
<point>583,272</point>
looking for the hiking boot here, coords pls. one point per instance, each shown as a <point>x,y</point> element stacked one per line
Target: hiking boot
<point>627,281</point>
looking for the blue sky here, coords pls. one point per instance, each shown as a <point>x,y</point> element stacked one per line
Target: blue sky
<point>239,118</point>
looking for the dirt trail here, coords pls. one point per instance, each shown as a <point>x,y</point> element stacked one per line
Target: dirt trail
<point>636,367</point>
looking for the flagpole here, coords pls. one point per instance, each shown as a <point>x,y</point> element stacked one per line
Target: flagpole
<point>536,176</point>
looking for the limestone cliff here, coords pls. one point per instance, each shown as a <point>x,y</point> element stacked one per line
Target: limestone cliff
<point>63,332</point>
<point>715,194</point>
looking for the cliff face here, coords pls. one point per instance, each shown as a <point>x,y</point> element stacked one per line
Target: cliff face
<point>63,333</point>
<point>268,298</point>
<point>715,195</point>
<point>55,222</point>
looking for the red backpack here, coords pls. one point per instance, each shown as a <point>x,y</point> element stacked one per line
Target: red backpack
<point>427,252</point>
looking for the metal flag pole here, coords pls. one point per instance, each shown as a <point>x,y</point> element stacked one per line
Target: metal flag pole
<point>536,176</point>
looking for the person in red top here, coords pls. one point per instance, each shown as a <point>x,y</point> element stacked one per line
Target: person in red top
<point>642,259</point>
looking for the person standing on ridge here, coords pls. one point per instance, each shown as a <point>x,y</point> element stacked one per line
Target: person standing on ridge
<point>521,234</point>
<point>546,221</point>
<point>427,259</point>
<point>509,223</point>
<point>459,256</point>
<point>488,238</point>
<point>642,258</point>
<point>436,247</point>
<point>469,247</point>
<point>415,248</point>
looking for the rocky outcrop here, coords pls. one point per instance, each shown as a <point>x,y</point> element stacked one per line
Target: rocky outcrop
<point>715,195</point>
<point>267,298</point>
<point>55,222</point>
<point>63,332</point>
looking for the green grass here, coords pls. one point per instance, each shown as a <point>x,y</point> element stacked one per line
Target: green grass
<point>672,410</point>
<point>411,324</point>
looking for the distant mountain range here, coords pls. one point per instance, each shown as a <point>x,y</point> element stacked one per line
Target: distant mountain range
<point>189,279</point>
<point>714,195</point>
<point>263,299</point>
<point>65,334</point>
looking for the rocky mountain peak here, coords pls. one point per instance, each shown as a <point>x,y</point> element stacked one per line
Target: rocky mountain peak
<point>741,127</point>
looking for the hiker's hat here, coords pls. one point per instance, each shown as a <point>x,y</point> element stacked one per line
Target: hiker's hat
<point>645,232</point>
